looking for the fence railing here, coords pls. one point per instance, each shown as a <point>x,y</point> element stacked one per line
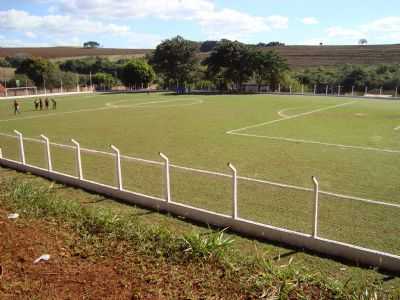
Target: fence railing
<point>299,216</point>
<point>327,90</point>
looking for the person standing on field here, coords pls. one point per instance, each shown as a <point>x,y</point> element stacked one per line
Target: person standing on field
<point>54,103</point>
<point>16,107</point>
<point>46,103</point>
<point>36,103</point>
<point>40,104</point>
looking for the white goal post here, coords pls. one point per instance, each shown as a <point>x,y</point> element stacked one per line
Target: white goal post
<point>20,91</point>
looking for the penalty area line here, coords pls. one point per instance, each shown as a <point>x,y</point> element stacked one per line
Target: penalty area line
<point>290,117</point>
<point>317,143</point>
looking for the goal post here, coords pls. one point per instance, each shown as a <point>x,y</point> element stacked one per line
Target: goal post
<point>20,91</point>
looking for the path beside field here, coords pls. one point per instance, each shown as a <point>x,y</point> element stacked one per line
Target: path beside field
<point>77,269</point>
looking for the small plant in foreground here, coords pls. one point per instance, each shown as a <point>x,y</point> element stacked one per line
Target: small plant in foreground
<point>207,245</point>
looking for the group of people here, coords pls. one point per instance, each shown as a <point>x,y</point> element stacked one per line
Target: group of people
<point>38,103</point>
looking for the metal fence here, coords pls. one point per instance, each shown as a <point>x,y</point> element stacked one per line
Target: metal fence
<point>327,90</point>
<point>307,217</point>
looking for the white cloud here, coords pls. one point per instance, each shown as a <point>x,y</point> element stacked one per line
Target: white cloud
<point>387,24</point>
<point>55,24</point>
<point>102,17</point>
<point>386,29</point>
<point>230,24</point>
<point>30,34</point>
<point>64,29</point>
<point>277,22</point>
<point>166,9</point>
<point>344,33</point>
<point>215,23</point>
<point>309,21</point>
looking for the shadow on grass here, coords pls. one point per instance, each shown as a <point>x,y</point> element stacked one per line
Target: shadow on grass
<point>292,250</point>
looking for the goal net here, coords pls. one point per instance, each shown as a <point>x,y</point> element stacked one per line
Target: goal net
<point>20,91</point>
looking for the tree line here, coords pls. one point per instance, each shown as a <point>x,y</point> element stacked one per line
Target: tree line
<point>358,76</point>
<point>177,63</point>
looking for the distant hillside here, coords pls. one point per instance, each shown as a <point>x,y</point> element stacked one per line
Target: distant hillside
<point>297,56</point>
<point>69,52</point>
<point>314,56</point>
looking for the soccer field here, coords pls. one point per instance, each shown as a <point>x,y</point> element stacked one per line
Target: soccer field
<point>351,145</point>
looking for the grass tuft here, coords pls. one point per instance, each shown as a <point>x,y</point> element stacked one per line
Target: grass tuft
<point>264,277</point>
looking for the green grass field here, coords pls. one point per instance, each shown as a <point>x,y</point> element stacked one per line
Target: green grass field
<point>351,145</point>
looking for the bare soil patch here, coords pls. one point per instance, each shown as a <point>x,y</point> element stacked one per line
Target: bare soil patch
<point>77,271</point>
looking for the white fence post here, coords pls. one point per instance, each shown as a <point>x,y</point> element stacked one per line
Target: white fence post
<point>290,90</point>
<point>78,159</point>
<point>326,90</point>
<point>21,147</point>
<point>118,166</point>
<point>234,191</point>
<point>1,153</point>
<point>395,92</point>
<point>366,90</point>
<point>352,91</point>
<point>315,89</point>
<point>339,90</point>
<point>316,205</point>
<point>47,152</point>
<point>302,89</point>
<point>167,188</point>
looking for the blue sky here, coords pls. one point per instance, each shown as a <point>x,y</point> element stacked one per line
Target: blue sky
<point>144,23</point>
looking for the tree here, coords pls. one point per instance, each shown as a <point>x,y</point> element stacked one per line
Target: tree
<point>104,80</point>
<point>268,67</point>
<point>91,44</point>
<point>137,73</point>
<point>4,63</point>
<point>363,42</point>
<point>207,46</point>
<point>40,70</point>
<point>176,60</point>
<point>270,44</point>
<point>230,61</point>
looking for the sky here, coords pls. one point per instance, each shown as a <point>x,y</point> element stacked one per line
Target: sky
<point>145,23</point>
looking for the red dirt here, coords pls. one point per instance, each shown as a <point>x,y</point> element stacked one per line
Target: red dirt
<point>76,272</point>
<point>63,52</point>
<point>297,56</point>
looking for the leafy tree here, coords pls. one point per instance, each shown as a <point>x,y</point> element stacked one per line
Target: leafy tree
<point>136,73</point>
<point>208,46</point>
<point>268,67</point>
<point>176,60</point>
<point>104,80</point>
<point>22,79</point>
<point>92,65</point>
<point>270,44</point>
<point>91,44</point>
<point>39,71</point>
<point>16,60</point>
<point>230,61</point>
<point>4,63</point>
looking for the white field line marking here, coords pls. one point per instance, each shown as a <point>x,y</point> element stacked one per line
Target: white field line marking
<point>282,114</point>
<point>318,143</point>
<point>199,101</point>
<point>112,104</point>
<point>282,185</point>
<point>290,117</point>
<point>236,132</point>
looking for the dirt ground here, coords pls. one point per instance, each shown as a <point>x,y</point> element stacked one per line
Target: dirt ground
<point>75,271</point>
